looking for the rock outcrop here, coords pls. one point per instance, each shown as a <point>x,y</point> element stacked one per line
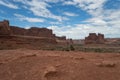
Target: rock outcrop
<point>33,31</point>
<point>93,38</point>
<point>5,28</point>
<point>70,41</point>
<point>34,38</point>
<point>40,32</point>
<point>64,41</point>
<point>18,31</point>
<point>12,37</point>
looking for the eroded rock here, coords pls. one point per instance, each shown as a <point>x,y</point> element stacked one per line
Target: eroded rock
<point>50,71</point>
<point>5,28</point>
<point>93,38</point>
<point>106,64</point>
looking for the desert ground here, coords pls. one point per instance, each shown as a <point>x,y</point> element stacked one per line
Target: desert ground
<point>23,64</point>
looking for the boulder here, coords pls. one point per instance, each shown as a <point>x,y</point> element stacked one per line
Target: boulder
<point>49,71</point>
<point>106,64</point>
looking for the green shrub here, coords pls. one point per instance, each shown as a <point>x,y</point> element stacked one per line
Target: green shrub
<point>98,50</point>
<point>72,48</point>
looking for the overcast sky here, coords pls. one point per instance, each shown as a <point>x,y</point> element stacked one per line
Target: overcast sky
<point>72,18</point>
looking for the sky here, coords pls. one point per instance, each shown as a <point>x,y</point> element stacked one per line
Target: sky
<point>71,18</point>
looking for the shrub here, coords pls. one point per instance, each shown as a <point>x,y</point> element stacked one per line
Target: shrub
<point>72,48</point>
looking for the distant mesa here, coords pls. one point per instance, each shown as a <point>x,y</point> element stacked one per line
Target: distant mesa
<point>5,29</point>
<point>43,34</point>
<point>93,38</point>
<point>33,31</point>
<point>16,37</point>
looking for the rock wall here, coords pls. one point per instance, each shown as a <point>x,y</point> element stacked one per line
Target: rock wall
<point>26,42</point>
<point>18,31</point>
<point>70,41</point>
<point>5,28</point>
<point>101,39</point>
<point>34,31</point>
<point>63,41</point>
<point>40,32</point>
<point>115,41</point>
<point>93,38</point>
<point>16,37</point>
<point>30,37</point>
<point>78,41</point>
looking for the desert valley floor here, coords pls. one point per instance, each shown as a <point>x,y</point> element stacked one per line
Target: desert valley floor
<point>58,65</point>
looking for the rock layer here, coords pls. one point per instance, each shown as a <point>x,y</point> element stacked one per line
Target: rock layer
<point>93,38</point>
<point>5,28</point>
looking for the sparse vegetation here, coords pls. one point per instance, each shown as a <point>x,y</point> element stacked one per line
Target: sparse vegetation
<point>72,48</point>
<point>103,49</point>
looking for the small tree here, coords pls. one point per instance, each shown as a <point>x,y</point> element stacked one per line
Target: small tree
<point>72,48</point>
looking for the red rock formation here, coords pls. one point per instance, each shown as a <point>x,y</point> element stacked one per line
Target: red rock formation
<point>40,32</point>
<point>18,31</point>
<point>5,28</point>
<point>78,41</point>
<point>113,41</point>
<point>70,41</point>
<point>63,41</point>
<point>30,37</point>
<point>101,39</point>
<point>94,39</point>
<point>27,42</point>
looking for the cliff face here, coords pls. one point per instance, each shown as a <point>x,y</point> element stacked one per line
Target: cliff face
<point>12,37</point>
<point>93,38</point>
<point>5,28</point>
<point>43,35</point>
<point>38,32</point>
<point>17,31</point>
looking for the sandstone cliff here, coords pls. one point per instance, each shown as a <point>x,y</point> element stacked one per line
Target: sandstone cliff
<point>93,38</point>
<point>5,28</point>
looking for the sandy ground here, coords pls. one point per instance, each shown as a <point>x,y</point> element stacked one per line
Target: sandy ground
<point>58,65</point>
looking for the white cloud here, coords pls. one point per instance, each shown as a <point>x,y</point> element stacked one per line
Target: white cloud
<point>21,17</point>
<point>8,4</point>
<point>106,21</point>
<point>53,1</point>
<point>70,14</point>
<point>40,8</point>
<point>68,3</point>
<point>79,31</point>
<point>96,22</point>
<point>93,7</point>
<point>27,27</point>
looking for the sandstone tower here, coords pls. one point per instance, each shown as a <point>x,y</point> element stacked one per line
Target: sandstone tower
<point>93,38</point>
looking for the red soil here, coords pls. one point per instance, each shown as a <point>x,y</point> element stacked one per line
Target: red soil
<point>58,65</point>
